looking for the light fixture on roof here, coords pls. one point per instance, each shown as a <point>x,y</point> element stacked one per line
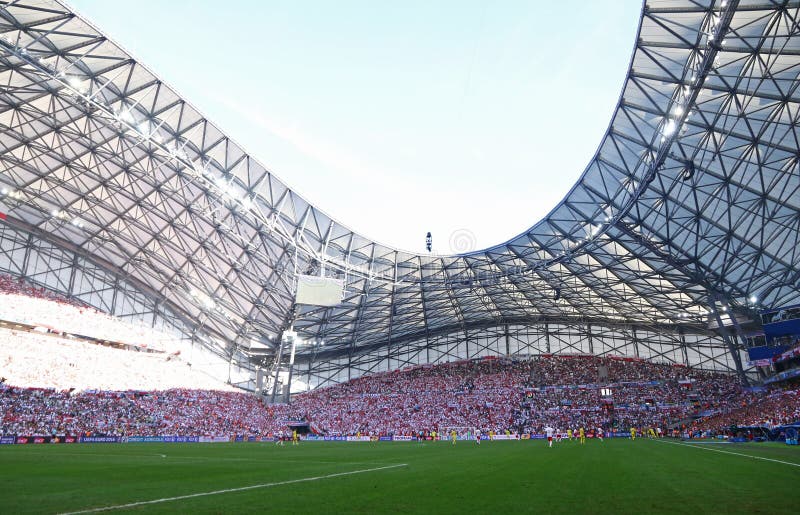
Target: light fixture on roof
<point>4,191</point>
<point>204,299</point>
<point>144,128</point>
<point>753,299</point>
<point>669,127</point>
<point>247,203</point>
<point>124,115</point>
<point>77,84</point>
<point>688,171</point>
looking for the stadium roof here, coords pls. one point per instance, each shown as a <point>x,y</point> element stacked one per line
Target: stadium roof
<point>691,200</point>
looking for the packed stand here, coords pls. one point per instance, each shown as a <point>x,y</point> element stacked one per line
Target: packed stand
<point>18,286</point>
<point>777,408</point>
<point>44,412</point>
<point>23,303</point>
<point>501,395</point>
<point>49,361</point>
<point>517,395</point>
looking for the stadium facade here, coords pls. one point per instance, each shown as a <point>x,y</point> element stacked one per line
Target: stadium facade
<point>116,191</point>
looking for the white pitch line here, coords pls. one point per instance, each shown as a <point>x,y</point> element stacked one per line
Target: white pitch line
<point>229,490</point>
<point>91,455</point>
<point>730,452</point>
<point>174,457</point>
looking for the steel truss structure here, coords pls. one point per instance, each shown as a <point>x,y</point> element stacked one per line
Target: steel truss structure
<point>687,216</point>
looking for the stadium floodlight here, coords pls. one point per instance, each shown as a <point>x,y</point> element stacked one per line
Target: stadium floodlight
<point>688,171</point>
<point>247,203</point>
<point>4,191</point>
<point>75,83</point>
<point>124,115</point>
<point>753,299</point>
<point>669,128</point>
<point>205,300</point>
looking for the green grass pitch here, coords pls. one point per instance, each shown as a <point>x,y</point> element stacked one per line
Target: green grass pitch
<point>617,476</point>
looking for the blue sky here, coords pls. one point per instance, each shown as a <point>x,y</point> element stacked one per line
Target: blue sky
<point>397,118</point>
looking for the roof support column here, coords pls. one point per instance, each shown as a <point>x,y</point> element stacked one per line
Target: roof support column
<point>547,337</point>
<point>737,360</point>
<point>684,352</point>
<point>27,259</point>
<point>72,273</point>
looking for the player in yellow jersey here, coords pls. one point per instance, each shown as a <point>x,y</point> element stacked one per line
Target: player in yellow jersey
<point>569,434</point>
<point>582,435</point>
<point>453,436</point>
<point>491,435</point>
<point>633,433</point>
<point>295,437</point>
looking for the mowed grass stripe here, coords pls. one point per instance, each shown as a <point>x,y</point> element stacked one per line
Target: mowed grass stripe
<point>231,490</point>
<point>723,451</point>
<point>618,476</point>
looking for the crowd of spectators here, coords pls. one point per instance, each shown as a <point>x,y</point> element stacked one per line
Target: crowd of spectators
<point>776,408</point>
<point>46,360</point>
<point>18,286</point>
<point>53,383</point>
<point>518,395</point>
<point>24,303</point>
<point>522,395</point>
<point>37,411</point>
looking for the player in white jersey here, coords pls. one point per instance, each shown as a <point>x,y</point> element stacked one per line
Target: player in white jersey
<point>558,435</point>
<point>549,432</point>
<point>478,436</point>
<point>600,433</point>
